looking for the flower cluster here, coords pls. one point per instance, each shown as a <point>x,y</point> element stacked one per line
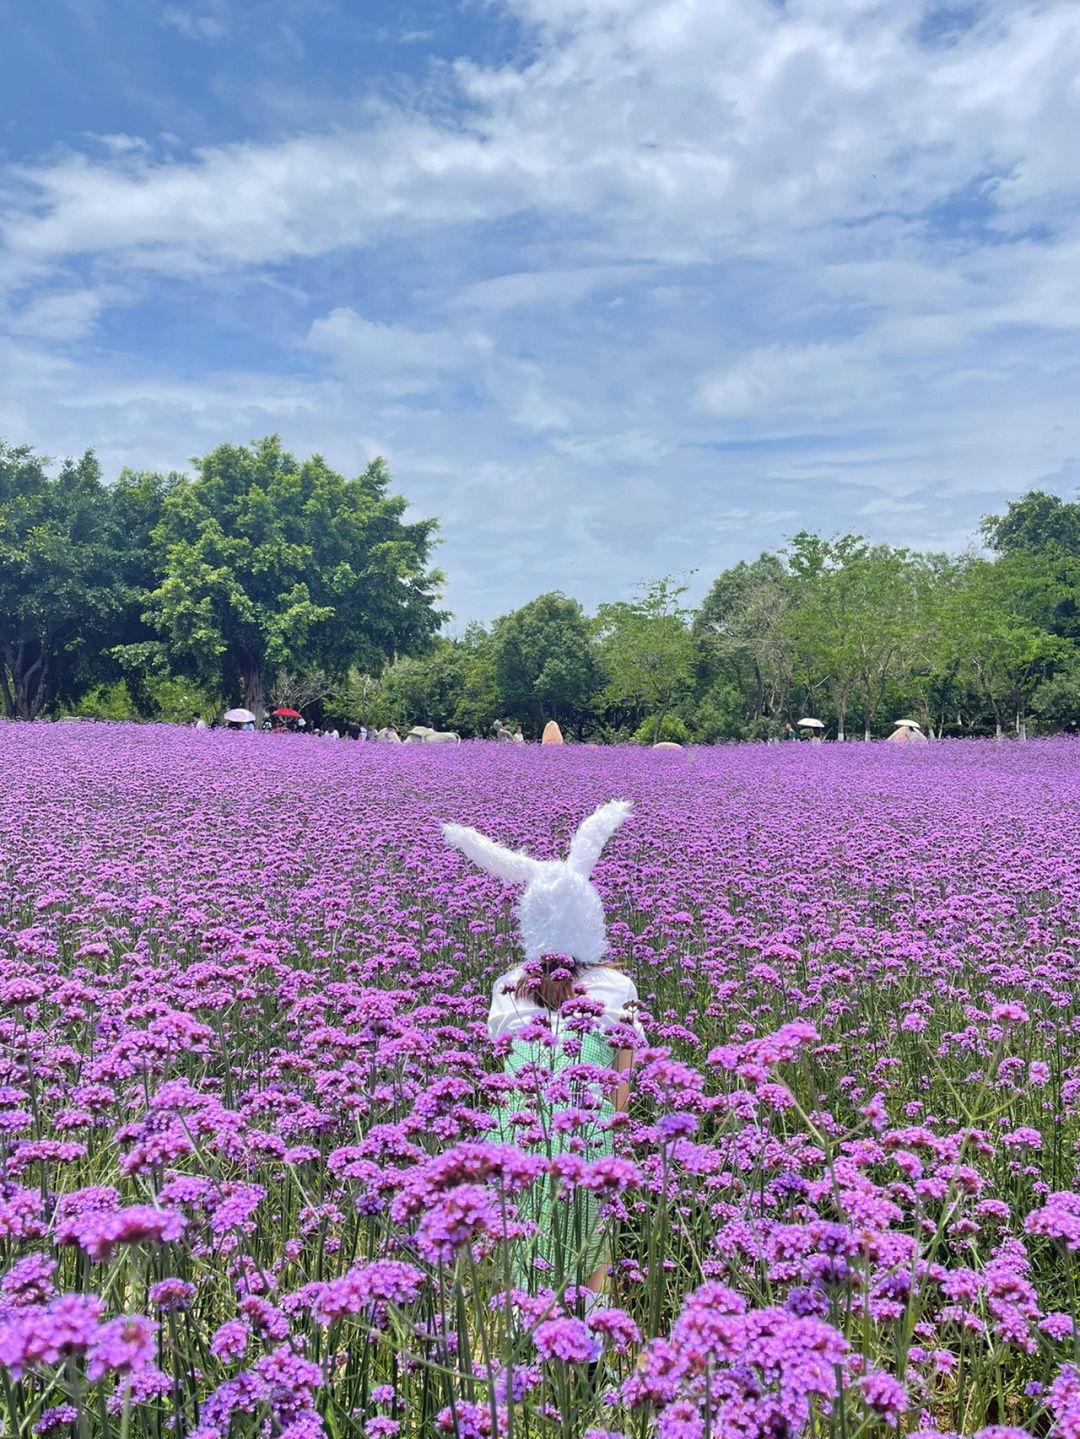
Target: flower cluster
<point>261,1167</point>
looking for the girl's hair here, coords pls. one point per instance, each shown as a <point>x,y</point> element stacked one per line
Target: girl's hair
<point>553,981</point>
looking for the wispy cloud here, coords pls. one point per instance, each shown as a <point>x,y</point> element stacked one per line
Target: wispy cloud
<point>813,263</point>
<point>192,25</point>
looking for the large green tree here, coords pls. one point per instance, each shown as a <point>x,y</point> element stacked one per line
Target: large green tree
<point>1035,523</point>
<point>60,575</point>
<point>270,562</point>
<point>544,660</point>
<point>830,583</point>
<point>647,651</point>
<point>137,500</point>
<point>742,627</point>
<point>996,625</point>
<point>889,582</point>
<point>1046,529</point>
<point>426,689</point>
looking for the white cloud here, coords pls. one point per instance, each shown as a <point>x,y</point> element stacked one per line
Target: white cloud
<point>701,267</point>
<point>817,383</point>
<point>191,25</point>
<point>385,355</point>
<point>63,316</point>
<point>687,130</point>
<point>548,287</point>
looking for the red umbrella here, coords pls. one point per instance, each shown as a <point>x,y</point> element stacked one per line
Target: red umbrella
<point>287,714</point>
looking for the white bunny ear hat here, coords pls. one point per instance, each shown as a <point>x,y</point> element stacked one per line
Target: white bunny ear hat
<point>560,911</point>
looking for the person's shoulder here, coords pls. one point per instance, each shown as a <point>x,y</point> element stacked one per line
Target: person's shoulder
<point>506,982</point>
<point>614,981</point>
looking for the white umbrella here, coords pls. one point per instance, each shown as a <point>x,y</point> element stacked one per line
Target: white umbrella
<point>238,717</point>
<point>908,723</point>
<point>811,724</point>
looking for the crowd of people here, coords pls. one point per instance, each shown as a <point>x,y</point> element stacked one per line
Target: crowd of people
<point>294,723</point>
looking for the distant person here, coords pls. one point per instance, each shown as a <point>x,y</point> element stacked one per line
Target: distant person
<point>789,731</point>
<point>519,738</point>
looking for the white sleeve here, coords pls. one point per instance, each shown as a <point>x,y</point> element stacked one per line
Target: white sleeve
<point>618,993</point>
<point>507,1012</point>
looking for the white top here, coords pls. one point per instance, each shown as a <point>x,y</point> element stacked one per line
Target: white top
<point>615,991</point>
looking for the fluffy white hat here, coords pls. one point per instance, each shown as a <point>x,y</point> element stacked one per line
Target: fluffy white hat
<point>560,911</point>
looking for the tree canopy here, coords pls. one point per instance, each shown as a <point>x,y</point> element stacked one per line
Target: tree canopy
<point>647,651</point>
<point>545,663</point>
<point>166,596</point>
<point>267,562</point>
<point>61,580</point>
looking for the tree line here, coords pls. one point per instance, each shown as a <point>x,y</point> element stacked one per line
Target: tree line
<point>272,581</point>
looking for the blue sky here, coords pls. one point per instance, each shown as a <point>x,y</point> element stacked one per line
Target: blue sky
<point>618,287</point>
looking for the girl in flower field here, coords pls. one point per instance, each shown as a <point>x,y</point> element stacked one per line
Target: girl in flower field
<point>564,1019</point>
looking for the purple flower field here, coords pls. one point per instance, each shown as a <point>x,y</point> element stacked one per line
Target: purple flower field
<point>248,1183</point>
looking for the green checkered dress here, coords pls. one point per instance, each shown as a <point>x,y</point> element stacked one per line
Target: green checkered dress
<point>572,1238</point>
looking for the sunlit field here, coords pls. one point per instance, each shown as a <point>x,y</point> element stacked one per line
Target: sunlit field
<point>248,1180</point>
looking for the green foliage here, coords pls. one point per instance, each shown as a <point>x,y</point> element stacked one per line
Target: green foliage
<point>654,730</point>
<point>176,699</point>
<point>425,689</point>
<point>360,699</point>
<point>545,665</point>
<point>722,714</point>
<point>164,596</point>
<point>995,625</point>
<point>479,703</point>
<point>833,580</point>
<point>647,650</point>
<point>1055,700</point>
<point>301,689</point>
<point>272,563</point>
<point>742,632</point>
<point>60,581</point>
<point>107,702</point>
<point>1037,523</point>
<point>450,687</point>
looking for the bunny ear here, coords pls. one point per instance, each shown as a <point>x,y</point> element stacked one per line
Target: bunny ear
<point>593,833</point>
<point>513,867</point>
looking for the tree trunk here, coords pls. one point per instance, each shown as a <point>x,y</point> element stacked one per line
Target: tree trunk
<point>27,688</point>
<point>22,697</point>
<point>18,694</point>
<point>251,674</point>
<point>657,726</point>
<point>999,728</point>
<point>30,697</point>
